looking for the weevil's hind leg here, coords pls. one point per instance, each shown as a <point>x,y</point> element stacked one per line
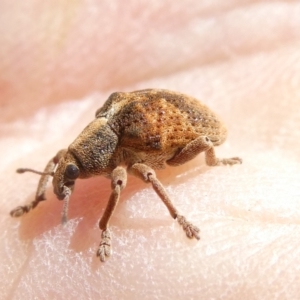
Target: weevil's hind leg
<point>118,182</point>
<point>212,160</point>
<point>42,185</point>
<point>148,175</point>
<point>201,144</point>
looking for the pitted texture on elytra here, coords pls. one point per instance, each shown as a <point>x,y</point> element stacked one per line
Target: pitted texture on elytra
<point>160,120</point>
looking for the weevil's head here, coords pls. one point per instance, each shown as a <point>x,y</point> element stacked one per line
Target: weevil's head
<point>66,173</point>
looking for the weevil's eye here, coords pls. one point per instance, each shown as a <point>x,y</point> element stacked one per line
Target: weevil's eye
<point>72,171</point>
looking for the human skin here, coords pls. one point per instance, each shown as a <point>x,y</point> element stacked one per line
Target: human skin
<point>59,62</point>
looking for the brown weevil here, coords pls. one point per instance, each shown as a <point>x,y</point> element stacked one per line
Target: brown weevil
<point>140,131</point>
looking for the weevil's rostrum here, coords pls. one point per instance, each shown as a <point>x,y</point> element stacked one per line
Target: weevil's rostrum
<point>142,131</point>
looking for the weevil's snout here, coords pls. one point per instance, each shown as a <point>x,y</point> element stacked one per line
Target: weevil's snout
<point>64,178</point>
<point>63,189</point>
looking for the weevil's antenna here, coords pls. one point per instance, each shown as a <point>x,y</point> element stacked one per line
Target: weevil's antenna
<point>42,185</point>
<point>23,170</point>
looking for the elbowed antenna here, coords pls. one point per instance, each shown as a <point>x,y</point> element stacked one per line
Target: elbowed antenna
<point>42,185</point>
<point>23,170</point>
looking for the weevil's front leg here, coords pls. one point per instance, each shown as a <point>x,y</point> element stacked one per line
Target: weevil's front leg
<point>118,182</point>
<point>197,146</point>
<point>42,185</point>
<point>148,175</point>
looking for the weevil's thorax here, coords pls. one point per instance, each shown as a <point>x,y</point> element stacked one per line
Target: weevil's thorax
<point>95,149</point>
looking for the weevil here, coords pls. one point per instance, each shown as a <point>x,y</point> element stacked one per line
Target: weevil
<point>136,133</point>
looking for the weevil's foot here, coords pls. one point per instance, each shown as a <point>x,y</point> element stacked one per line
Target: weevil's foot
<point>19,211</point>
<point>231,161</point>
<point>190,230</point>
<point>104,250</point>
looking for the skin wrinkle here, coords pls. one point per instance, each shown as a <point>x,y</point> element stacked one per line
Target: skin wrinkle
<point>216,32</point>
<point>247,215</point>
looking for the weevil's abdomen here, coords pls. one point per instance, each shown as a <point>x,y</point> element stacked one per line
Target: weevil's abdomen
<point>160,120</point>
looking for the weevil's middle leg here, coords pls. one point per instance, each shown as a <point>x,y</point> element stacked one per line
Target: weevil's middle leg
<point>148,175</point>
<point>42,185</point>
<point>118,182</point>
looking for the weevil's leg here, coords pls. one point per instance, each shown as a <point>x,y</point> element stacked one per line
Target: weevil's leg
<point>64,214</point>
<point>148,175</point>
<point>42,185</point>
<point>197,146</point>
<point>118,183</point>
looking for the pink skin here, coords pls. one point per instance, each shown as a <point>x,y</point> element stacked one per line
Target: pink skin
<point>58,63</point>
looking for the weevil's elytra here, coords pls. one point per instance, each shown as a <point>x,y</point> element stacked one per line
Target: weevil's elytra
<point>143,131</point>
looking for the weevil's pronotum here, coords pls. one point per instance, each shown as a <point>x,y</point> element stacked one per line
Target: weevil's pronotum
<point>137,133</point>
